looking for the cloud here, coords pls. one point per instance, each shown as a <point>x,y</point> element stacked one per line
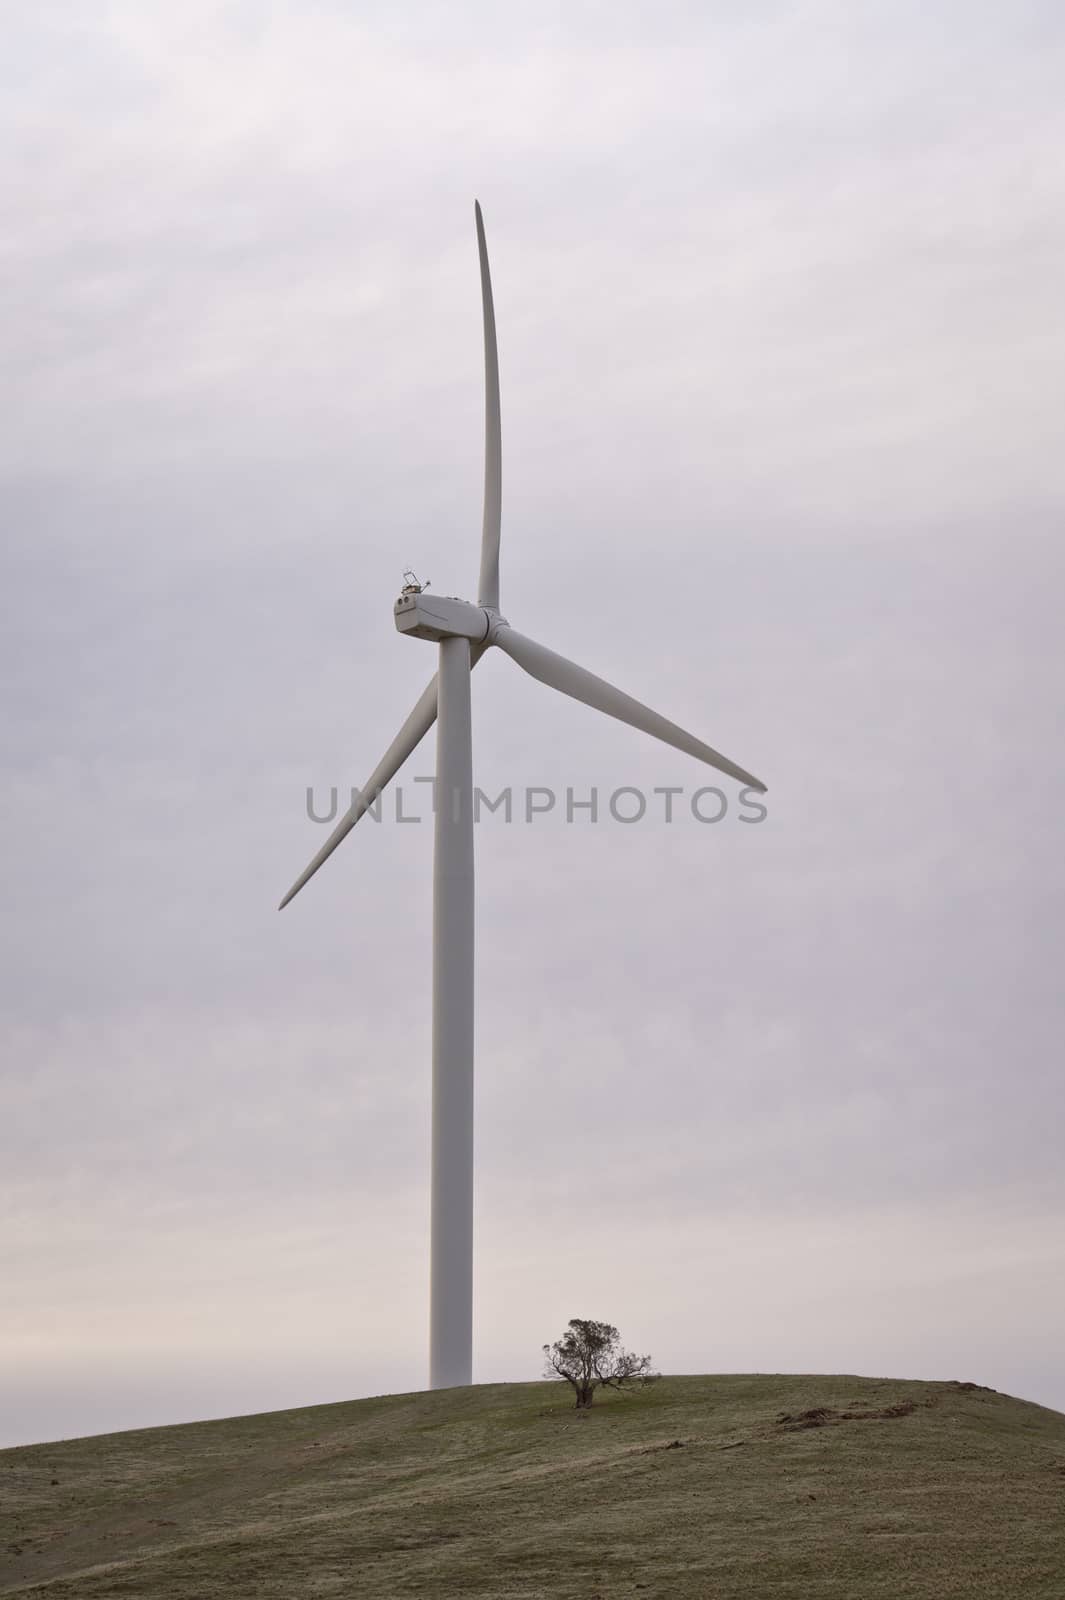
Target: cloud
<point>780,369</point>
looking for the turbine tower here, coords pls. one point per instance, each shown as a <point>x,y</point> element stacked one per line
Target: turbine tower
<point>463,632</point>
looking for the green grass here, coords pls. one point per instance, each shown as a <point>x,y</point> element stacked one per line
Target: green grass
<point>505,1490</point>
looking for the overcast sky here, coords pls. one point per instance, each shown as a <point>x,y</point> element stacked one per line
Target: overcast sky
<point>778,289</point>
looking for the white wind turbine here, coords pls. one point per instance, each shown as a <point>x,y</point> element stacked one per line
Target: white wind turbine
<point>464,632</point>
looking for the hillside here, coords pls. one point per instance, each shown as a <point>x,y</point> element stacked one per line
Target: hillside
<point>788,1487</point>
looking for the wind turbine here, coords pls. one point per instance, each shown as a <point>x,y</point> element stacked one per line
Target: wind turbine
<point>464,631</point>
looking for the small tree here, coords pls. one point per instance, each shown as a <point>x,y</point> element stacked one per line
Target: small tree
<point>590,1354</point>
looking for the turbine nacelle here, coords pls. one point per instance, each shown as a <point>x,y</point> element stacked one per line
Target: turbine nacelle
<point>437,617</point>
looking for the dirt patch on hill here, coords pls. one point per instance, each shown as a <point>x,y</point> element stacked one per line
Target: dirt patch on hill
<point>828,1416</point>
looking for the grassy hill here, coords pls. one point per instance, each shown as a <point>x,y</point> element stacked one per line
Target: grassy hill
<point>786,1487</point>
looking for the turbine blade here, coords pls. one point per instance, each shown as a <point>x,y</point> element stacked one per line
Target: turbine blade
<point>568,678</point>
<point>407,739</point>
<point>488,587</point>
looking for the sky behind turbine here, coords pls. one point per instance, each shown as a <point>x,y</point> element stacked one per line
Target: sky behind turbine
<point>778,298</point>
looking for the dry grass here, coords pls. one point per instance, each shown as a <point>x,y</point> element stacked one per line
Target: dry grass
<point>788,1488</point>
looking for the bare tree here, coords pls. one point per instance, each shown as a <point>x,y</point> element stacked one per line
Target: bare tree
<point>588,1355</point>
